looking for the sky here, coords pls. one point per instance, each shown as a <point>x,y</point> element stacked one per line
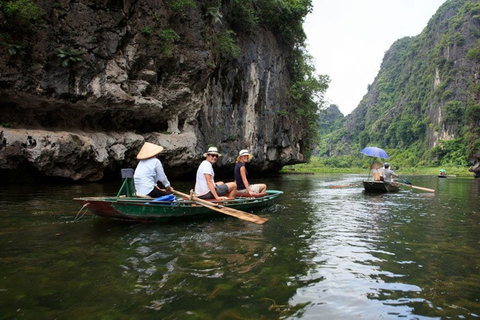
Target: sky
<point>348,39</point>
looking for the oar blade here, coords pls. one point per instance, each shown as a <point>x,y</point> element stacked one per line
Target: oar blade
<point>244,215</point>
<point>415,187</point>
<point>424,189</point>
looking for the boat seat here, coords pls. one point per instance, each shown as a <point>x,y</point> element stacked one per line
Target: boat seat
<point>246,195</point>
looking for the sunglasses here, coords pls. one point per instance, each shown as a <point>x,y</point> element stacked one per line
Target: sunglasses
<point>213,155</point>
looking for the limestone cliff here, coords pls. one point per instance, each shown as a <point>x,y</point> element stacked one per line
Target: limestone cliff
<point>94,79</point>
<point>424,104</point>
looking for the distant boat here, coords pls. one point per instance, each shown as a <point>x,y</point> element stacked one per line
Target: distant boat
<point>442,173</point>
<point>380,186</point>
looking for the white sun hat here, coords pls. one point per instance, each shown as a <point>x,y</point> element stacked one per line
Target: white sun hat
<point>212,150</point>
<point>244,152</point>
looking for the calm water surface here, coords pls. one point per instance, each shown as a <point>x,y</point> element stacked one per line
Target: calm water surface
<point>325,253</point>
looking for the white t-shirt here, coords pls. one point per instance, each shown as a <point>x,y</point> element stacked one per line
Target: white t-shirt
<point>201,186</point>
<point>147,173</point>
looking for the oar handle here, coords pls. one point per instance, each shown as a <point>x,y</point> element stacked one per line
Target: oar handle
<point>225,210</point>
<point>196,199</point>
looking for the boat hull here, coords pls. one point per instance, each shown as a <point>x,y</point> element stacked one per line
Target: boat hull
<point>141,209</point>
<point>380,186</point>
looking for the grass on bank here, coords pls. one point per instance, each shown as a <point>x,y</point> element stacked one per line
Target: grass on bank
<point>318,165</point>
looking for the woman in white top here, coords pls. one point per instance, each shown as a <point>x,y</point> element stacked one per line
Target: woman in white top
<point>149,171</point>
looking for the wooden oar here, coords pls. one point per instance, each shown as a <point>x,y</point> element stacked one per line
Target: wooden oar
<point>404,180</point>
<point>342,186</point>
<point>225,210</point>
<point>415,187</point>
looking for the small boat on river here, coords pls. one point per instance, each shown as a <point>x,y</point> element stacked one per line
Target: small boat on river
<point>127,206</point>
<point>442,173</point>
<point>380,186</point>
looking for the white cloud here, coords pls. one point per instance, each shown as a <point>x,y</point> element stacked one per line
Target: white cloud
<point>348,39</point>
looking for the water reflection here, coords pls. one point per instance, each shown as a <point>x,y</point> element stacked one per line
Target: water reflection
<point>326,250</point>
<point>370,254</point>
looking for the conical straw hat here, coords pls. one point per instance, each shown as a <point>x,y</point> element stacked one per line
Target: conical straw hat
<point>149,150</point>
<point>376,165</point>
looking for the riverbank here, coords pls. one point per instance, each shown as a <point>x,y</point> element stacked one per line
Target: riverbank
<point>313,168</point>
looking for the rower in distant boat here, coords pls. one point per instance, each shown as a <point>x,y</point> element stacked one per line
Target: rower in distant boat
<point>389,173</point>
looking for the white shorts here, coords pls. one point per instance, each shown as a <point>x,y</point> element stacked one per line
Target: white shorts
<point>253,187</point>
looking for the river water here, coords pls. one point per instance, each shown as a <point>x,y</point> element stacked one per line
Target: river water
<point>327,252</point>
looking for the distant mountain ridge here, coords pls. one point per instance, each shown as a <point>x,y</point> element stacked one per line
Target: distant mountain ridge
<point>424,104</point>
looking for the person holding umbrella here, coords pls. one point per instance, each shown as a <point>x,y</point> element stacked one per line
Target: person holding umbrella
<point>377,171</point>
<point>376,167</point>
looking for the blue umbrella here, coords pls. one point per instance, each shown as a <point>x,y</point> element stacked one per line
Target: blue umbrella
<point>374,152</point>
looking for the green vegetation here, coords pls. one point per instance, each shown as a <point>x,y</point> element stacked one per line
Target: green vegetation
<point>21,13</point>
<point>356,165</point>
<point>14,49</point>
<point>224,46</point>
<point>146,31</point>
<point>167,37</point>
<point>8,124</point>
<point>425,91</point>
<point>69,57</point>
<point>179,5</point>
<point>306,97</point>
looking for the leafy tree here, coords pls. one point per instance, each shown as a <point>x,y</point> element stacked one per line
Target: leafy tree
<point>69,57</point>
<point>451,152</point>
<point>224,45</point>
<point>21,13</point>
<point>306,96</point>
<point>453,112</point>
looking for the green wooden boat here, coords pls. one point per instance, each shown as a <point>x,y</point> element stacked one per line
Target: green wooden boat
<point>125,205</point>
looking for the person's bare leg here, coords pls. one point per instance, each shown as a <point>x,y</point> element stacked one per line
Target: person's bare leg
<point>262,187</point>
<point>232,189</point>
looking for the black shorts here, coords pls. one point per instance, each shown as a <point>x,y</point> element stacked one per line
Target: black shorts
<point>155,193</point>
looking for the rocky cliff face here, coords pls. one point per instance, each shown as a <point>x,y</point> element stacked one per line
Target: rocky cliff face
<point>425,100</point>
<point>98,78</point>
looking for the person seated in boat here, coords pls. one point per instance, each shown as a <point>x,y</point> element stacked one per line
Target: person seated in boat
<point>205,185</point>
<point>149,171</point>
<point>377,171</point>
<point>241,176</point>
<point>389,174</point>
<point>442,173</point>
